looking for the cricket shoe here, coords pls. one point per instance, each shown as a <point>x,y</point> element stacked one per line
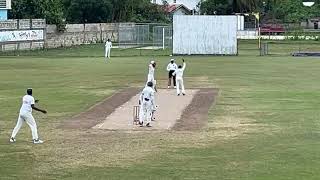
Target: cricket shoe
<point>148,125</point>
<point>141,124</point>
<point>178,94</point>
<point>183,94</point>
<point>168,87</point>
<point>37,141</point>
<point>12,140</point>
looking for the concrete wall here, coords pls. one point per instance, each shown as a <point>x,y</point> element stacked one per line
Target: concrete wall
<point>77,34</point>
<point>25,26</point>
<point>74,34</point>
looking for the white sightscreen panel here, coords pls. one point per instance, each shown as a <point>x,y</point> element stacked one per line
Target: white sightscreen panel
<point>216,35</point>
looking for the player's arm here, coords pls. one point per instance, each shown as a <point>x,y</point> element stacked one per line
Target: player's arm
<point>168,67</point>
<point>174,73</point>
<point>184,65</point>
<point>140,98</point>
<point>37,109</point>
<point>110,44</point>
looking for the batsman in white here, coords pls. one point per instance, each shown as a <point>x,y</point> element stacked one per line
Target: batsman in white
<point>179,78</point>
<point>108,47</point>
<point>147,105</point>
<point>152,67</point>
<point>25,114</point>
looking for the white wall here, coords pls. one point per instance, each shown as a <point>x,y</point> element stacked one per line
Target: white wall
<point>215,35</point>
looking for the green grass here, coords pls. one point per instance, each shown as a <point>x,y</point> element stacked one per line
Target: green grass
<point>265,124</point>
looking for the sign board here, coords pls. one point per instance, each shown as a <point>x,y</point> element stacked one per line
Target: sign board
<point>24,35</point>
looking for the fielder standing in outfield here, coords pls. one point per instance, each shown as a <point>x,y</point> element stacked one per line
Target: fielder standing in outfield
<point>147,105</point>
<point>171,68</point>
<point>25,115</point>
<point>152,67</point>
<point>108,47</point>
<point>179,78</point>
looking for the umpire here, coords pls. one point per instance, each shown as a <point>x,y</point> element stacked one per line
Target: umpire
<point>171,68</point>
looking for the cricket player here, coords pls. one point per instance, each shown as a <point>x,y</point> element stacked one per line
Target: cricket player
<point>108,47</point>
<point>171,68</point>
<point>25,115</point>
<point>152,67</point>
<point>179,78</point>
<point>147,105</point>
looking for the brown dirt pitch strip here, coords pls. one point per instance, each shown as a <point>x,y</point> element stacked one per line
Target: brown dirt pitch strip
<point>174,112</point>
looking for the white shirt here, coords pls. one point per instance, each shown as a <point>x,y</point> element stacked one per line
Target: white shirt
<point>151,70</point>
<point>179,72</point>
<point>27,101</point>
<point>108,44</point>
<point>147,93</point>
<point>172,67</point>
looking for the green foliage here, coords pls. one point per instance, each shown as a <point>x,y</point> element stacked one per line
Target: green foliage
<point>88,11</point>
<point>51,10</point>
<point>284,10</point>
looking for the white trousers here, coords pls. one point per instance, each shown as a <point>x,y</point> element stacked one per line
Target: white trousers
<point>180,84</point>
<point>28,118</point>
<point>108,52</point>
<point>145,113</point>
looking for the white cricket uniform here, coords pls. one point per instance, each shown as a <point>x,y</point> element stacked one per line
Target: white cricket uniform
<point>179,79</point>
<point>151,75</point>
<point>147,105</point>
<point>26,115</point>
<point>108,47</point>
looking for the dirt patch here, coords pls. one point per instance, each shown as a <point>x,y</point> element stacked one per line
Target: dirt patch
<point>170,108</point>
<point>195,116</point>
<point>97,113</point>
<point>175,113</point>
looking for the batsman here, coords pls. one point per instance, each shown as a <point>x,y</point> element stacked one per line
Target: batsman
<point>147,105</point>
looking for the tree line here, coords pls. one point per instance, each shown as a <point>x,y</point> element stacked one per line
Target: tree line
<point>281,10</point>
<point>88,11</point>
<point>96,11</point>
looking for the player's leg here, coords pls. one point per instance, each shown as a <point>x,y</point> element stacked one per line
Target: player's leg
<point>174,81</point>
<point>169,79</point>
<point>148,114</point>
<point>109,52</point>
<point>106,54</point>
<point>182,87</point>
<point>16,128</point>
<point>141,114</point>
<point>178,86</point>
<point>34,129</point>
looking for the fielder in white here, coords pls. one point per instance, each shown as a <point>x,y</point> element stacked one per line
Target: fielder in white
<point>179,78</point>
<point>147,105</point>
<point>152,67</point>
<point>25,115</point>
<point>108,47</point>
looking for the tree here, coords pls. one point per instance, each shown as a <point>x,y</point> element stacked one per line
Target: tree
<point>211,7</point>
<point>85,11</point>
<point>51,10</point>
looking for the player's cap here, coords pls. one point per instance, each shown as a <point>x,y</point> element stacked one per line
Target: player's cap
<point>150,84</point>
<point>172,60</point>
<point>152,62</point>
